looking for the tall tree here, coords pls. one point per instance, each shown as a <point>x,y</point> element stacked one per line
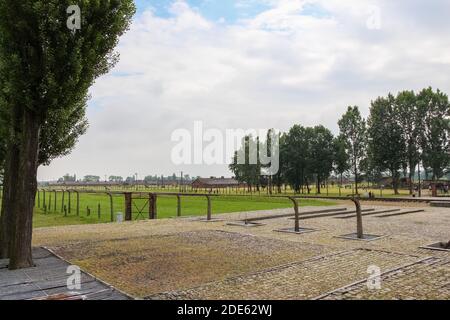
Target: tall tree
<point>246,165</point>
<point>280,177</point>
<point>340,158</point>
<point>321,154</point>
<point>385,138</point>
<point>353,130</point>
<point>46,70</point>
<point>407,114</point>
<point>297,158</point>
<point>434,112</point>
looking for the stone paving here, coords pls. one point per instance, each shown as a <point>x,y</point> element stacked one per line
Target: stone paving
<point>187,259</point>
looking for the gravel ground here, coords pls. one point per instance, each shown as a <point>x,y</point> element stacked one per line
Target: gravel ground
<point>185,258</point>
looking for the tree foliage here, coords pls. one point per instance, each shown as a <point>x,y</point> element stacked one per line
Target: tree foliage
<point>386,143</point>
<point>434,112</point>
<point>46,71</point>
<point>353,131</point>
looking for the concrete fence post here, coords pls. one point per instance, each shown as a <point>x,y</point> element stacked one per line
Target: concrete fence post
<point>128,206</point>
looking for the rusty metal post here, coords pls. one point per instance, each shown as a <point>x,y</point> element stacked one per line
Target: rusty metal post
<point>359,223</point>
<point>178,205</point>
<point>56,205</point>
<point>44,201</point>
<point>111,206</point>
<point>209,214</point>
<point>150,206</point>
<point>297,215</point>
<point>50,202</point>
<point>69,202</point>
<point>155,206</point>
<point>38,198</point>
<point>128,206</point>
<point>78,202</point>
<point>62,201</point>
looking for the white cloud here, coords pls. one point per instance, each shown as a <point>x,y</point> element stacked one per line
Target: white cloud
<point>276,69</point>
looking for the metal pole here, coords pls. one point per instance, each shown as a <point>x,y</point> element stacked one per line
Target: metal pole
<point>178,205</point>
<point>128,208</point>
<point>56,209</point>
<point>78,203</point>
<point>209,214</point>
<point>62,201</point>
<point>359,223</point>
<point>70,207</point>
<point>111,206</point>
<point>297,216</point>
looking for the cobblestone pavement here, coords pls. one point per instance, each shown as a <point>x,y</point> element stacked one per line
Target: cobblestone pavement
<point>300,280</point>
<point>185,258</point>
<point>412,282</point>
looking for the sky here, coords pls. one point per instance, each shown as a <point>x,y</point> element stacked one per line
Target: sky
<point>251,65</point>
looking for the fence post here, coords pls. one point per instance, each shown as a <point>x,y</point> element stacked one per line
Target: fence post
<point>39,198</point>
<point>44,201</point>
<point>178,205</point>
<point>78,203</point>
<point>150,205</point>
<point>99,211</point>
<point>153,212</point>
<point>209,214</point>
<point>55,204</point>
<point>69,202</point>
<point>128,208</point>
<point>62,201</point>
<point>111,206</point>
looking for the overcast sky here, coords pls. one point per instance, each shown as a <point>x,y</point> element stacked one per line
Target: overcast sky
<point>251,64</point>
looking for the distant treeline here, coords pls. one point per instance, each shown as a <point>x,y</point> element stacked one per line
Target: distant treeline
<point>403,133</point>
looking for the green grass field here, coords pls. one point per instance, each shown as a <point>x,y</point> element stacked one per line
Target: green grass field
<point>166,207</point>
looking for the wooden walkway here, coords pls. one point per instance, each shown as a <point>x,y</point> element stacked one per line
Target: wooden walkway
<point>48,281</point>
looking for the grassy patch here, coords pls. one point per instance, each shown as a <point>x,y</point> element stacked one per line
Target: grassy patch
<point>166,207</point>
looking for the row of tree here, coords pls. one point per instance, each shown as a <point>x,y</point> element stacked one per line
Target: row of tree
<point>46,70</point>
<point>403,133</point>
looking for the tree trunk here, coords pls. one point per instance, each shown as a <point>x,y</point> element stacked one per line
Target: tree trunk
<point>395,181</point>
<point>23,204</point>
<point>412,168</point>
<point>9,190</point>
<point>10,186</point>
<point>318,184</point>
<point>356,179</point>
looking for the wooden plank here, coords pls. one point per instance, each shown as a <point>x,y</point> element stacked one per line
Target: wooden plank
<point>48,280</point>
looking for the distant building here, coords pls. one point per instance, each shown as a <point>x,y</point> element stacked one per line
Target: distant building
<point>389,182</point>
<point>216,183</point>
